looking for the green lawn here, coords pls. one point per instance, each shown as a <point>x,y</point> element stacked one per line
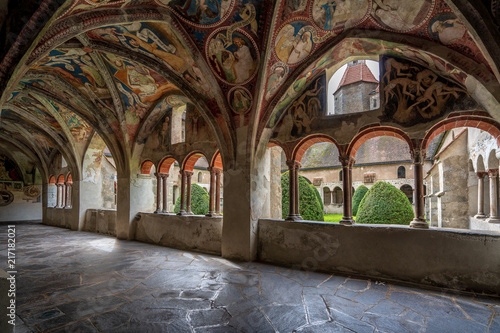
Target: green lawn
<point>334,218</point>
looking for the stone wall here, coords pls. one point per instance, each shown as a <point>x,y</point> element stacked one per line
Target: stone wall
<point>458,259</point>
<point>196,233</point>
<point>102,221</point>
<point>354,97</point>
<point>58,217</point>
<point>482,225</point>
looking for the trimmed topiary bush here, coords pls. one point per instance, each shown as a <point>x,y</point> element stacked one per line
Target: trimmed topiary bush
<point>199,201</point>
<point>309,199</point>
<point>385,204</point>
<point>357,197</point>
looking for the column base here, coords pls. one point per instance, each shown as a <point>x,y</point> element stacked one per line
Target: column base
<point>480,216</point>
<point>189,213</point>
<point>294,218</point>
<point>419,224</point>
<point>210,214</point>
<point>164,212</point>
<point>157,211</point>
<point>182,213</point>
<point>493,219</point>
<point>347,221</point>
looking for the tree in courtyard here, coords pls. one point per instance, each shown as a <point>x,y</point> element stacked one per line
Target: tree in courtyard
<point>357,197</point>
<point>310,207</point>
<point>384,204</point>
<point>199,201</point>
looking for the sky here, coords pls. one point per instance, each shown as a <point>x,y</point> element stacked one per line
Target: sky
<point>335,80</point>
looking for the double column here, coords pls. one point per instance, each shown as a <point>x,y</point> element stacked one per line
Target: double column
<point>494,218</point>
<point>480,195</point>
<point>185,208</point>
<point>214,204</point>
<point>69,189</point>
<point>161,186</point>
<point>347,162</point>
<point>418,157</point>
<point>60,195</point>
<point>293,193</point>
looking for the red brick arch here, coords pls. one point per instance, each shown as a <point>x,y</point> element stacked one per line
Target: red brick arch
<point>165,164</point>
<point>216,161</point>
<point>486,124</point>
<point>52,180</point>
<point>146,167</point>
<point>60,179</point>
<point>191,159</point>
<point>373,132</point>
<point>69,178</point>
<point>304,144</point>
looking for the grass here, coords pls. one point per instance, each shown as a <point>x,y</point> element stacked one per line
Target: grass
<point>334,218</point>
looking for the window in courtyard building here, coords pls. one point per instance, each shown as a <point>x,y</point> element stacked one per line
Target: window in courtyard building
<point>408,191</point>
<point>401,172</point>
<point>337,195</point>
<point>340,175</point>
<point>200,177</point>
<point>327,196</point>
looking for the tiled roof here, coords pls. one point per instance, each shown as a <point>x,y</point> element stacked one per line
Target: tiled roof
<point>357,73</point>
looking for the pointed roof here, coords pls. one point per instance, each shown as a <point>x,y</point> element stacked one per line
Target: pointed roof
<point>356,72</point>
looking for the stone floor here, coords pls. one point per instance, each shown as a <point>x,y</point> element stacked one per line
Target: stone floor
<point>81,282</point>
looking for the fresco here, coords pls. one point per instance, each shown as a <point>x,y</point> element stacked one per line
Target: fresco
<point>278,72</point>
<point>414,94</point>
<point>79,128</point>
<point>37,109</point>
<point>297,120</point>
<point>159,112</point>
<point>233,56</point>
<point>240,100</point>
<point>156,40</point>
<point>402,16</point>
<point>294,42</point>
<point>202,12</point>
<point>9,169</point>
<point>446,28</point>
<point>334,14</point>
<point>46,144</point>
<point>176,100</point>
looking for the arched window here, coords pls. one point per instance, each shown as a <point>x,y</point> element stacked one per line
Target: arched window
<point>408,191</point>
<point>340,176</point>
<point>174,192</point>
<point>200,177</point>
<point>327,196</point>
<point>401,172</point>
<point>337,195</point>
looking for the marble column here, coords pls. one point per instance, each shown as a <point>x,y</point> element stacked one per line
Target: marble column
<point>58,200</point>
<point>293,193</point>
<point>158,193</point>
<point>182,210</point>
<point>480,195</point>
<point>69,189</point>
<point>494,218</point>
<point>211,205</point>
<point>188,192</point>
<point>218,173</point>
<point>164,178</point>
<point>347,162</point>
<point>418,157</point>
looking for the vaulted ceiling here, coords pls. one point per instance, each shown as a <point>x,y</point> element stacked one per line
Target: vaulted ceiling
<point>114,67</point>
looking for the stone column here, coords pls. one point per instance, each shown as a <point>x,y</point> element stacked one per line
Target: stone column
<point>68,195</point>
<point>164,178</point>
<point>217,191</point>
<point>418,157</point>
<point>347,162</point>
<point>58,200</point>
<point>182,210</point>
<point>188,192</point>
<point>158,193</point>
<point>480,195</point>
<point>211,204</point>
<point>293,193</point>
<point>494,218</point>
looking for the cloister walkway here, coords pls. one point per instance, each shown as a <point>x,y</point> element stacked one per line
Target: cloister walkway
<point>71,281</point>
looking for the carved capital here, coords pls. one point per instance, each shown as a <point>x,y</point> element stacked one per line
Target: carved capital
<point>188,174</point>
<point>347,161</point>
<point>292,165</point>
<point>492,173</point>
<point>481,174</point>
<point>418,155</point>
<point>164,175</point>
<point>69,184</point>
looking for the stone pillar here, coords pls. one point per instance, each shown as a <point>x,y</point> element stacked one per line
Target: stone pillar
<point>58,200</point>
<point>182,210</point>
<point>217,191</point>
<point>69,188</point>
<point>293,192</point>
<point>347,162</point>
<point>418,156</point>
<point>158,193</point>
<point>188,192</point>
<point>480,195</point>
<point>211,205</point>
<point>494,218</point>
<point>164,178</point>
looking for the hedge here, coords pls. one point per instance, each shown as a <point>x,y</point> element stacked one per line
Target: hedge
<point>385,204</point>
<point>199,201</point>
<point>357,197</point>
<point>310,207</point>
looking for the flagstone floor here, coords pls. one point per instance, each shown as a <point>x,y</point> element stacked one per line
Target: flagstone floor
<point>71,281</point>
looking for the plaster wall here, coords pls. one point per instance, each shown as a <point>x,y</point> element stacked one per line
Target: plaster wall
<point>196,233</point>
<point>59,217</point>
<point>21,209</point>
<point>458,259</point>
<point>483,225</point>
<point>102,221</point>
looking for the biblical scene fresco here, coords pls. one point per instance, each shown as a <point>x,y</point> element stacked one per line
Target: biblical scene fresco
<point>279,71</point>
<point>79,128</point>
<point>139,87</point>
<point>294,42</point>
<point>9,170</point>
<point>298,119</point>
<point>46,144</point>
<point>446,28</point>
<point>27,101</point>
<point>335,14</point>
<point>240,100</point>
<point>414,94</point>
<point>233,56</point>
<point>402,16</point>
<point>202,12</point>
<point>159,113</point>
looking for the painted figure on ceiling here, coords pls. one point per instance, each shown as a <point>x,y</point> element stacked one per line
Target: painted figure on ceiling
<point>200,11</point>
<point>447,31</point>
<point>244,64</point>
<point>301,49</point>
